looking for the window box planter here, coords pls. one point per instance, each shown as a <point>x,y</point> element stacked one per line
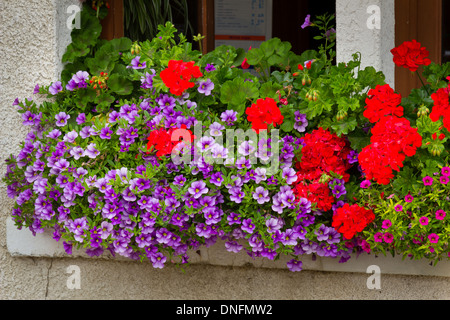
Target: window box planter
<point>153,151</point>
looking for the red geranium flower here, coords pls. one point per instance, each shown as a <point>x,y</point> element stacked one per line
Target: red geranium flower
<point>411,55</point>
<point>382,101</point>
<point>178,74</point>
<point>441,107</point>
<point>349,220</point>
<point>264,112</point>
<point>163,141</point>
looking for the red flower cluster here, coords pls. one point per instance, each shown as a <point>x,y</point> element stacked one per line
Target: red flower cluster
<point>316,192</point>
<point>411,55</point>
<point>441,107</point>
<point>392,141</point>
<point>264,112</point>
<point>382,101</point>
<point>164,141</point>
<point>323,152</point>
<point>178,74</point>
<point>349,220</point>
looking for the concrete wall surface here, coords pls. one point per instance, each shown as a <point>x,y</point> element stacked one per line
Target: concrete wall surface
<point>31,42</point>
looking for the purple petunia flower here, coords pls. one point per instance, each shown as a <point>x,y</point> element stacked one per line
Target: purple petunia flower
<point>261,195</point>
<point>339,190</point>
<point>307,22</point>
<point>209,68</point>
<point>295,265</point>
<point>158,260</point>
<point>233,246</point>
<point>147,80</point>
<point>91,152</point>
<point>136,64</point>
<point>215,129</point>
<point>248,226</point>
<point>206,87</point>
<point>205,143</point>
<point>352,157</point>
<point>233,218</point>
<point>236,194</point>
<point>105,133</point>
<point>197,189</point>
<point>290,175</point>
<point>61,119</point>
<point>229,116</point>
<point>81,118</point>
<point>301,123</point>
<point>55,88</point>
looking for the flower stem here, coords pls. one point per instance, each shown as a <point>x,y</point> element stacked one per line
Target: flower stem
<point>423,84</point>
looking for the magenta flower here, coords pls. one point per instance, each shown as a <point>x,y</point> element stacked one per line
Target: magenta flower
<point>378,237</point>
<point>433,237</point>
<point>365,184</point>
<point>386,224</point>
<point>423,221</point>
<point>398,208</point>
<point>444,179</point>
<point>440,214</point>
<point>446,171</point>
<point>409,198</point>
<point>428,181</point>
<point>388,237</point>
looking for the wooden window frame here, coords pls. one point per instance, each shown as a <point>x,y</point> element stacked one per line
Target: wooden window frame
<point>420,20</point>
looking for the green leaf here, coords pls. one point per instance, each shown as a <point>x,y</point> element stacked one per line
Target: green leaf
<point>75,50</point>
<point>345,126</point>
<point>236,92</point>
<point>120,84</point>
<point>269,89</point>
<point>288,125</point>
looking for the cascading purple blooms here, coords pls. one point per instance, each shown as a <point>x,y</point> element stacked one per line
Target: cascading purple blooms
<point>182,206</point>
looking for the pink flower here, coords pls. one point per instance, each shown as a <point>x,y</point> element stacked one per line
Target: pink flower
<point>428,181</point>
<point>386,224</point>
<point>440,214</point>
<point>378,237</point>
<point>433,237</point>
<point>365,184</point>
<point>446,171</point>
<point>423,221</point>
<point>388,237</point>
<point>444,179</point>
<point>409,198</point>
<point>398,208</point>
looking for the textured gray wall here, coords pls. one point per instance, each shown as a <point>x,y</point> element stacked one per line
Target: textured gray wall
<point>29,48</point>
